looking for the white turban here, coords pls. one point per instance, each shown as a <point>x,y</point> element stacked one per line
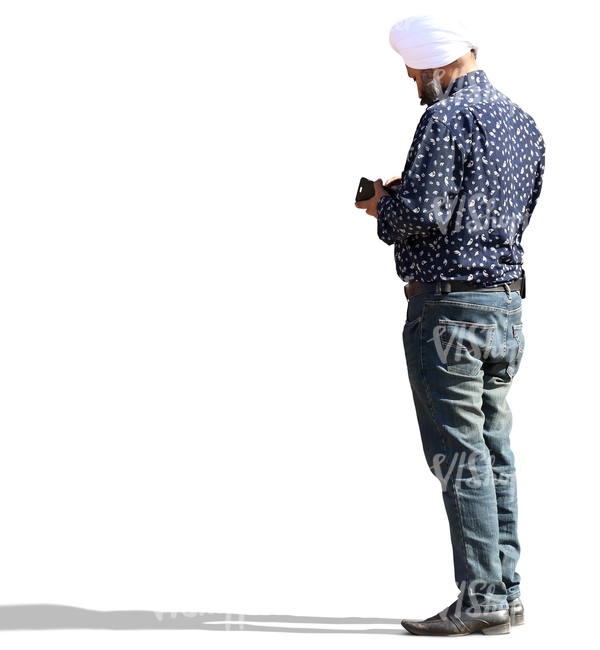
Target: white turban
<point>430,40</point>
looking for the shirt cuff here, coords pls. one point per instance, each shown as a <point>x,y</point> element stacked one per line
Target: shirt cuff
<point>384,232</point>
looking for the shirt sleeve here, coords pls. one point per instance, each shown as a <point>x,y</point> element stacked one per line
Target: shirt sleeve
<point>428,193</point>
<point>537,184</point>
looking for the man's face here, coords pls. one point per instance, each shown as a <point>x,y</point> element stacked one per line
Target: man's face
<point>428,83</point>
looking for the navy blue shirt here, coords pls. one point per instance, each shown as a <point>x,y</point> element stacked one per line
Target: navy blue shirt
<point>471,181</point>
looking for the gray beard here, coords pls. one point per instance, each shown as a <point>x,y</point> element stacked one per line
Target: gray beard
<point>431,90</point>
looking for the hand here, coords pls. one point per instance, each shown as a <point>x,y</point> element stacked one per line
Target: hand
<point>371,205</point>
<point>395,180</point>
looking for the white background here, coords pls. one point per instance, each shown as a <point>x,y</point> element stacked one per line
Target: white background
<point>204,401</point>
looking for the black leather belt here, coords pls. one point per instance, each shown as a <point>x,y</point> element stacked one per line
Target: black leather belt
<point>415,288</point>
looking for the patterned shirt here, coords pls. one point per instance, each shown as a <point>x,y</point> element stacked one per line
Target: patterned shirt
<point>471,181</point>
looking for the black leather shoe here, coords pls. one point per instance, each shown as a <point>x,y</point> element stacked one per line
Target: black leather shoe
<point>516,612</point>
<point>456,622</point>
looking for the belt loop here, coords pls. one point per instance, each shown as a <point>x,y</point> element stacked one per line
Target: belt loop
<point>438,288</point>
<point>508,293</point>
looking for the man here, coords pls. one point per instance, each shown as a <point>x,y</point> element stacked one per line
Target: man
<point>456,217</point>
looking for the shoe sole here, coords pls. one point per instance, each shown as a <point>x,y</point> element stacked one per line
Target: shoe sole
<point>497,629</point>
<point>504,628</point>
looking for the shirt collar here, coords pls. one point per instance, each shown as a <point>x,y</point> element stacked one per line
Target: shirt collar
<point>475,78</point>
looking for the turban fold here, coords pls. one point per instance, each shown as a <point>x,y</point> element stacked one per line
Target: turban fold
<point>430,40</point>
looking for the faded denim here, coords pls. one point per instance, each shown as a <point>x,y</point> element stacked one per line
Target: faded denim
<point>463,351</point>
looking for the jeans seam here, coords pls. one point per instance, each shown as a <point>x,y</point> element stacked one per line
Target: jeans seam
<point>426,385</point>
<point>460,528</point>
<point>472,305</point>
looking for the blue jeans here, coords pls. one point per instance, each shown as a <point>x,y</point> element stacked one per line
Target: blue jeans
<point>463,350</point>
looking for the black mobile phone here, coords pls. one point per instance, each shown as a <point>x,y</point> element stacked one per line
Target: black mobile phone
<point>366,190</point>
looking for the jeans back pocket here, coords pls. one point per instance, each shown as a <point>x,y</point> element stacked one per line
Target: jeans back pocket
<point>463,347</point>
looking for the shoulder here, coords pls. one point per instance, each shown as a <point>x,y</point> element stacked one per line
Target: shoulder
<point>477,105</point>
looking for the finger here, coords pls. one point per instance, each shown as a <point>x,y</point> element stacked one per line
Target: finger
<point>393,180</point>
<point>380,190</point>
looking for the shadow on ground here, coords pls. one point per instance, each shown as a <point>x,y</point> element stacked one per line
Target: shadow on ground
<point>63,617</point>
